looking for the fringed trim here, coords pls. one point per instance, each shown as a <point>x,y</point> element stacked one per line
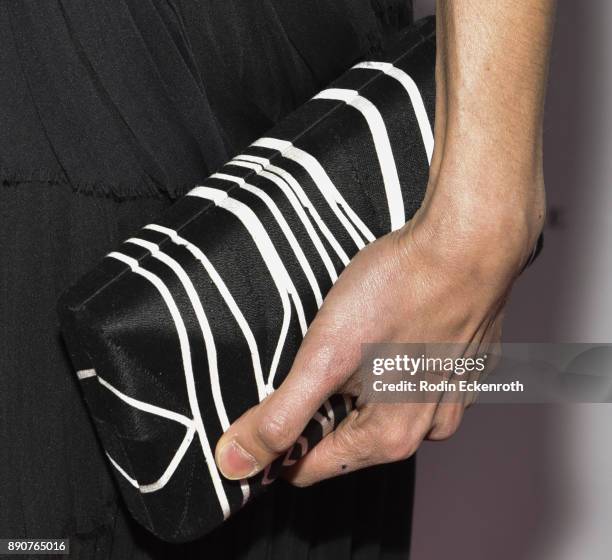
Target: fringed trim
<point>145,188</point>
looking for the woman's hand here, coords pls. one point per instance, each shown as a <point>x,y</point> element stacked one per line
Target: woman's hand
<point>428,282</point>
<point>446,275</point>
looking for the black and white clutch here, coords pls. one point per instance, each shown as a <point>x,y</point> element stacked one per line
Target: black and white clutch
<point>198,316</point>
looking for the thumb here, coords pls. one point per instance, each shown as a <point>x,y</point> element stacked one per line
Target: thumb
<point>267,430</point>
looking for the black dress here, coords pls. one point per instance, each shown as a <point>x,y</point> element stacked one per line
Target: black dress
<point>108,112</point>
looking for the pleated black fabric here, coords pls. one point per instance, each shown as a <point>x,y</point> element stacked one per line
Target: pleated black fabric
<point>108,112</point>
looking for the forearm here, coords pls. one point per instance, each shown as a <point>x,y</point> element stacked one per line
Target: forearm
<point>491,71</point>
<point>493,58</point>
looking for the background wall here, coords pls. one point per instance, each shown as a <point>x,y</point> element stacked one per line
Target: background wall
<point>534,482</point>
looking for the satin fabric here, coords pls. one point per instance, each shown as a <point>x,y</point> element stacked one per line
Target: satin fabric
<point>198,316</point>
<point>87,155</point>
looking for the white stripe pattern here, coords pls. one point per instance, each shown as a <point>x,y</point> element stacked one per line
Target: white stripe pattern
<point>321,179</point>
<point>393,190</point>
<point>188,371</point>
<point>325,239</point>
<point>415,97</point>
<point>209,341</point>
<point>227,297</point>
<point>278,272</point>
<point>304,200</point>
<point>267,171</point>
<point>282,222</point>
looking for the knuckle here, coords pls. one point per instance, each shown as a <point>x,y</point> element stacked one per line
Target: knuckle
<point>378,440</point>
<point>445,429</point>
<point>273,434</point>
<point>398,445</point>
<point>327,360</point>
<point>391,440</point>
<point>328,363</point>
<point>356,441</point>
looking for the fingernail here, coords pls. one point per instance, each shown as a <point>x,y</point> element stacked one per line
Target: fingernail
<point>235,462</point>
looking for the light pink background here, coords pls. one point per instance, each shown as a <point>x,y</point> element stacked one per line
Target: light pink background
<point>534,482</point>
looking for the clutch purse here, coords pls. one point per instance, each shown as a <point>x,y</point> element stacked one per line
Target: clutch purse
<point>198,316</point>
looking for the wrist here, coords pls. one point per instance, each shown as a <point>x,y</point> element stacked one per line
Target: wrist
<point>480,222</point>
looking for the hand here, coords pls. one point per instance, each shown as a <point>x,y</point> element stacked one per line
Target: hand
<point>446,275</point>
<point>429,282</point>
